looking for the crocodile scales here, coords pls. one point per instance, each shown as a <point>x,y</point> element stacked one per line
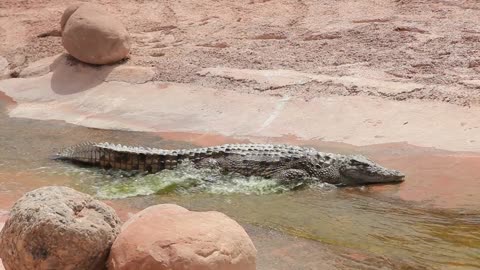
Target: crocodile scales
<point>285,163</point>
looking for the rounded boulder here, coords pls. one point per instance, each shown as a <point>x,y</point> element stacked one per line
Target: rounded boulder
<point>58,228</point>
<point>169,237</point>
<point>92,35</point>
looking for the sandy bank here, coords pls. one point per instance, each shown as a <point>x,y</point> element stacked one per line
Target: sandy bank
<point>125,98</point>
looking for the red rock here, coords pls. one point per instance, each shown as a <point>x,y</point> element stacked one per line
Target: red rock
<point>58,228</point>
<point>170,237</point>
<point>92,35</point>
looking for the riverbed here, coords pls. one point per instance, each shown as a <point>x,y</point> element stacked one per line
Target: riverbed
<point>429,222</point>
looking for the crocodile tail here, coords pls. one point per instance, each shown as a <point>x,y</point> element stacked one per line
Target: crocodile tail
<point>80,152</point>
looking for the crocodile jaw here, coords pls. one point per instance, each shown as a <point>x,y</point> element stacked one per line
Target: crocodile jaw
<point>381,177</point>
<point>358,170</point>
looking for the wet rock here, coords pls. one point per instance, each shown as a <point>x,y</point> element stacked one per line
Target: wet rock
<point>58,228</point>
<point>92,35</point>
<point>171,237</point>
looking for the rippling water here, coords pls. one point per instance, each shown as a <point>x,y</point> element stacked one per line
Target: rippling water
<point>408,235</point>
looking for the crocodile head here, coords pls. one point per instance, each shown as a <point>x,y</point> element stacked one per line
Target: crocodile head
<point>358,170</point>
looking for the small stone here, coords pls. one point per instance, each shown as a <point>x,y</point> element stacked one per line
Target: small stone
<point>14,73</point>
<point>18,60</point>
<point>58,228</point>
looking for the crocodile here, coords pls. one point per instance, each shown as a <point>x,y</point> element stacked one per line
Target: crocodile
<point>284,163</point>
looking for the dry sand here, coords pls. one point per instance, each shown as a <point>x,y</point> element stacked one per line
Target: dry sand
<point>431,45</point>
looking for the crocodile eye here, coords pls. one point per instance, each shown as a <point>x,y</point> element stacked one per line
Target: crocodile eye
<point>357,163</point>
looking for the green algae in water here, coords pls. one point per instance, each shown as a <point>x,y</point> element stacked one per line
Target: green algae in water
<point>168,189</point>
<point>184,179</point>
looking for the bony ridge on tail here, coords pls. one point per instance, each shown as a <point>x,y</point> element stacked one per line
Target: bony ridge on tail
<point>285,163</point>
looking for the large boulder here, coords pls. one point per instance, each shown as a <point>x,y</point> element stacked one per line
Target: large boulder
<point>58,228</point>
<point>169,237</point>
<point>92,35</point>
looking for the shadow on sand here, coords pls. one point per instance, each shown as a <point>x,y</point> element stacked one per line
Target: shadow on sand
<point>71,76</point>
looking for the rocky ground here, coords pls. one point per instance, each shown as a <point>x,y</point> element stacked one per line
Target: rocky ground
<point>428,49</point>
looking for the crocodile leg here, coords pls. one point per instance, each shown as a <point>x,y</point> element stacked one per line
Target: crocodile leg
<point>292,177</point>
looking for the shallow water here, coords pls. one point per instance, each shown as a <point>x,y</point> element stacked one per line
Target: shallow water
<point>372,220</point>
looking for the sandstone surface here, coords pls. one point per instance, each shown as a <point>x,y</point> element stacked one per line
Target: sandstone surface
<point>169,237</point>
